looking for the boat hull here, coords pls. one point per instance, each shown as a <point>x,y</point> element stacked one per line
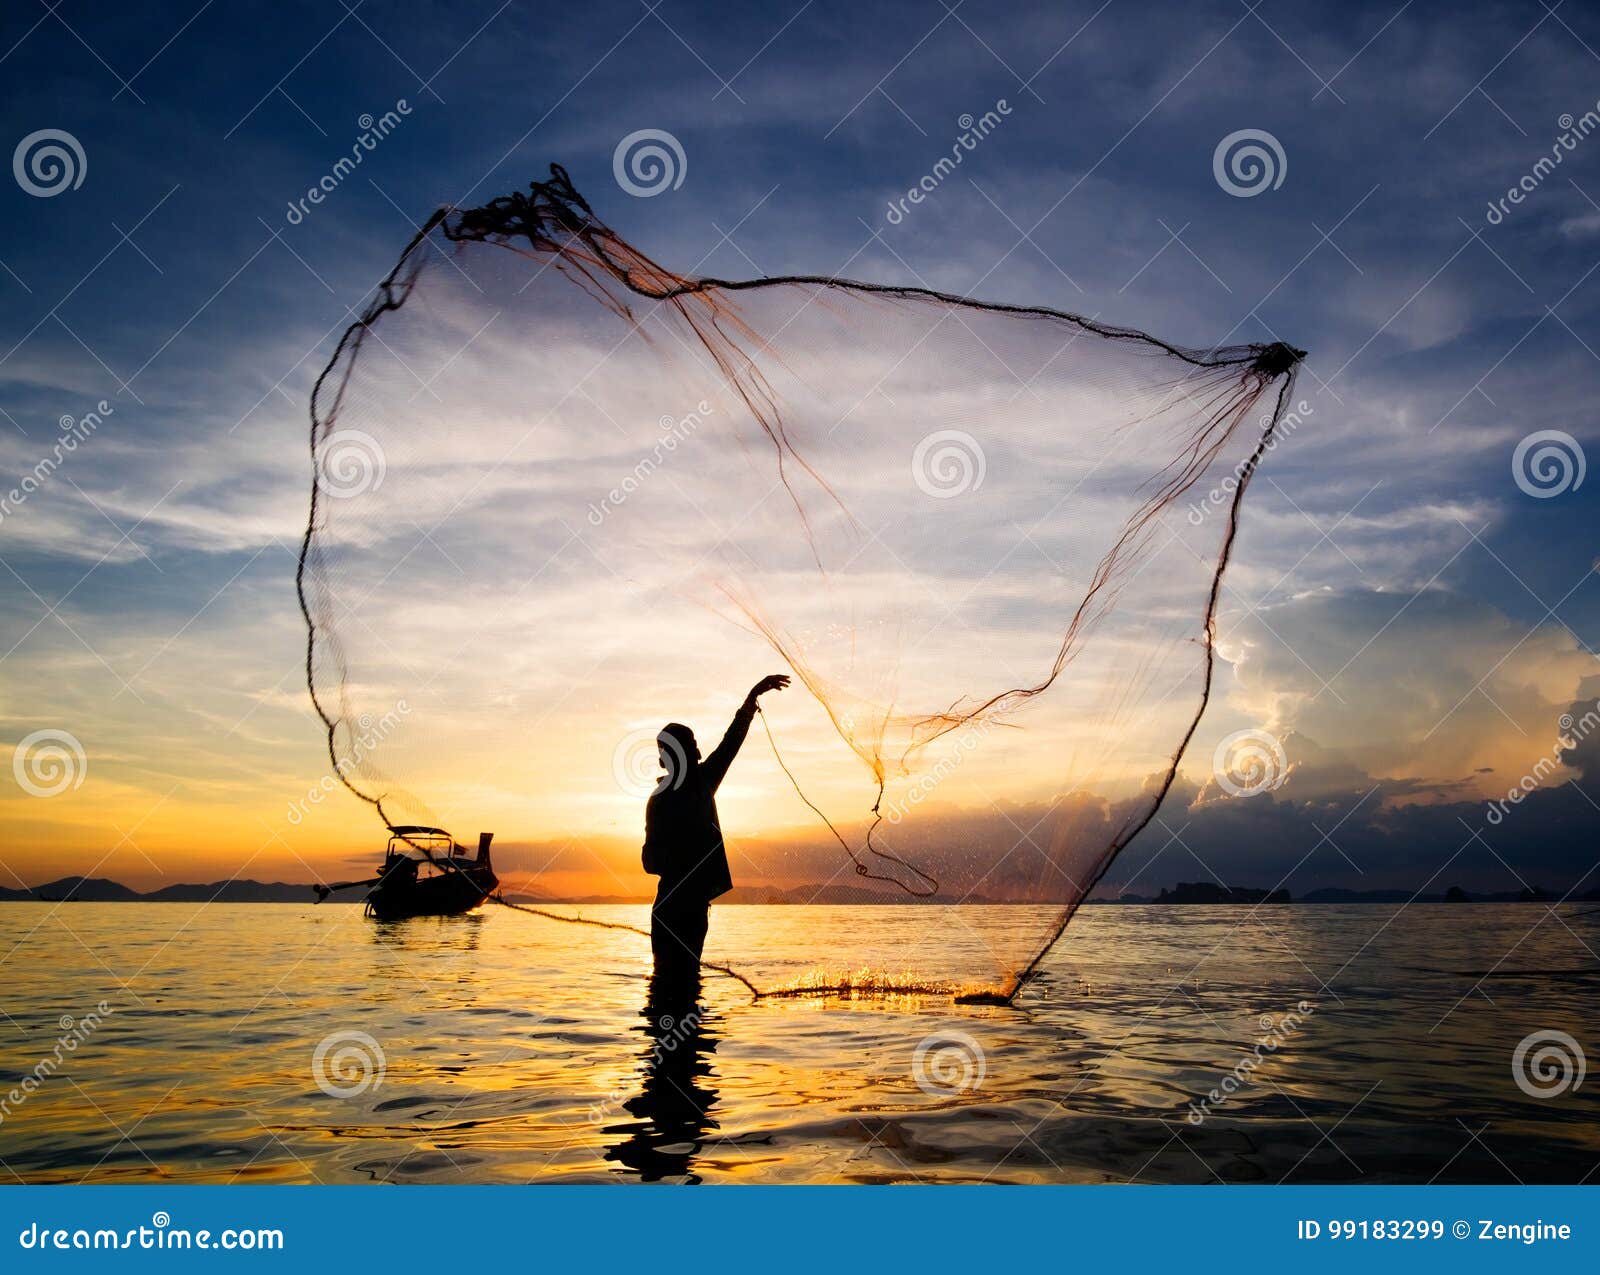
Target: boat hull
<point>449,894</point>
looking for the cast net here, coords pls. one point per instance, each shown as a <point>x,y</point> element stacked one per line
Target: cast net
<point>563,495</point>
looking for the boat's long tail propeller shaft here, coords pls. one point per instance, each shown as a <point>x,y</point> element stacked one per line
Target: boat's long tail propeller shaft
<point>323,891</point>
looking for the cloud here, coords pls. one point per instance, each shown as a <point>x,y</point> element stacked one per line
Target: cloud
<point>1419,686</point>
<point>1584,226</point>
<point>1438,353</point>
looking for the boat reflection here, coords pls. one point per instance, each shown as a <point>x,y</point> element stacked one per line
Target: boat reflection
<point>430,935</point>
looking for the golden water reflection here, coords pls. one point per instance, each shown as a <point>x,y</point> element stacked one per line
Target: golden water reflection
<point>497,1048</point>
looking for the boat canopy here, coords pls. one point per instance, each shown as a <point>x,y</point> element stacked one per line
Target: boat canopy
<point>417,841</point>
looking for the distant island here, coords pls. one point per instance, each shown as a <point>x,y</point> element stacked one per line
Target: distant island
<point>1207,892</point>
<point>101,890</point>
<point>78,889</point>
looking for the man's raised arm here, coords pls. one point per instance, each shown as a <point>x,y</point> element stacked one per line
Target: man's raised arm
<point>715,767</point>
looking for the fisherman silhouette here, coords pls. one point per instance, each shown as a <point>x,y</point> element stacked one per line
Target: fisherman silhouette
<point>683,838</point>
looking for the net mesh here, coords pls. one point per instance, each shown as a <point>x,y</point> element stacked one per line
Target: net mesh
<point>988,540</point>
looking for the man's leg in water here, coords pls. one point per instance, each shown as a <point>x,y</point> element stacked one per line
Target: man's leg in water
<point>678,936</point>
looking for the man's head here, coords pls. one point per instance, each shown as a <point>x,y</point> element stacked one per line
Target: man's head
<point>679,753</point>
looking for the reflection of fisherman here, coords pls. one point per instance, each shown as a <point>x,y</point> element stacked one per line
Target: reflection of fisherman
<point>672,1113</point>
<point>683,837</point>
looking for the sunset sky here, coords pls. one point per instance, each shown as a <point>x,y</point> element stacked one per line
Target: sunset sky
<point>1402,616</point>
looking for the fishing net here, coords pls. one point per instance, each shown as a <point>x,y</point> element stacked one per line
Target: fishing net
<point>563,494</point>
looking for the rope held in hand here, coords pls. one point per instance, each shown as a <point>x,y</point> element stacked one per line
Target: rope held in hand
<point>617,925</point>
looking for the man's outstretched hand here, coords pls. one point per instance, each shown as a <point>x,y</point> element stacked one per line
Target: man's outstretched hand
<point>776,682</point>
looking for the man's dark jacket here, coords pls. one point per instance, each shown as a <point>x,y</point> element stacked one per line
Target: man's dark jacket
<point>682,834</point>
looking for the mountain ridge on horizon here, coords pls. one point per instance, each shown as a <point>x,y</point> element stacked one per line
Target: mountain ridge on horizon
<point>80,889</point>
